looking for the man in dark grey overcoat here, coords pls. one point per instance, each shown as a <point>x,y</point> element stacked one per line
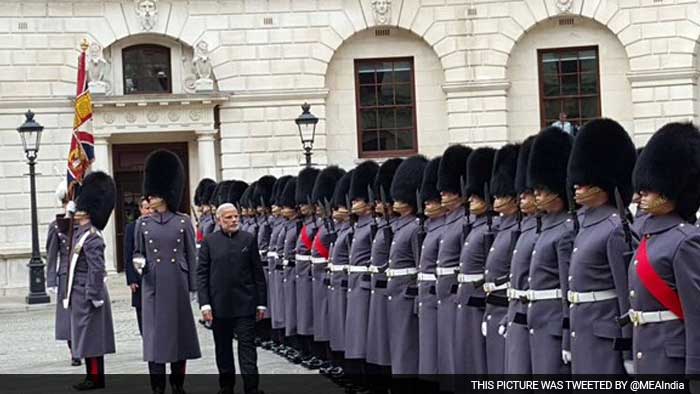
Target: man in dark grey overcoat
<point>274,260</point>
<point>292,226</point>
<point>261,200</point>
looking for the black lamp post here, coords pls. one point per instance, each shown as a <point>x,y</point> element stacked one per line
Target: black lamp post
<point>306,122</point>
<point>30,131</point>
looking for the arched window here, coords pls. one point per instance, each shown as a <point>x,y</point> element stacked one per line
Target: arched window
<point>146,69</point>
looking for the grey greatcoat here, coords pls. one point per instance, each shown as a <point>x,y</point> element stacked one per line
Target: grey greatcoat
<point>448,260</point>
<point>92,330</point>
<point>57,260</point>
<point>517,346</point>
<point>377,320</point>
<point>470,346</point>
<point>599,263</point>
<point>264,236</point>
<point>166,240</point>
<point>304,291</point>
<point>320,282</point>
<point>337,288</point>
<point>549,269</point>
<point>291,232</point>
<point>427,298</point>
<point>359,284</point>
<point>401,295</point>
<point>207,224</point>
<point>274,258</point>
<point>497,274</point>
<point>673,250</point>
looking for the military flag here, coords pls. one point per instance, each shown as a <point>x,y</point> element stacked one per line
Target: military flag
<point>82,152</point>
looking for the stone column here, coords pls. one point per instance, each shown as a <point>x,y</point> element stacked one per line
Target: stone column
<point>103,162</point>
<point>206,149</point>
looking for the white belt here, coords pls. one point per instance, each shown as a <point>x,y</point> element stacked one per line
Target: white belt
<point>337,267</point>
<point>445,271</point>
<point>373,269</point>
<point>640,318</point>
<point>357,268</point>
<point>490,287</point>
<point>422,277</point>
<point>318,260</point>
<point>396,272</point>
<point>540,295</point>
<point>274,255</point>
<point>469,278</point>
<point>302,257</point>
<point>516,294</point>
<point>575,297</point>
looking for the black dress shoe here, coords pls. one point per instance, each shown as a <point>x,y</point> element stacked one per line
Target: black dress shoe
<point>177,389</point>
<point>87,384</point>
<point>75,362</point>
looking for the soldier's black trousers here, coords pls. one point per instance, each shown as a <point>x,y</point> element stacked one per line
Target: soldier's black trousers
<point>95,368</point>
<point>244,328</point>
<point>177,374</point>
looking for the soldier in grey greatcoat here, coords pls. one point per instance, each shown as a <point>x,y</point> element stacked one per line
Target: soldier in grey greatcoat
<point>664,276</point>
<point>404,255</point>
<point>261,200</point>
<point>166,253</point>
<point>470,347</point>
<point>601,162</point>
<point>451,172</point>
<point>359,279</point>
<point>548,309</point>
<point>321,195</point>
<point>517,335</point>
<point>378,355</point>
<point>338,277</point>
<point>202,195</point>
<point>274,260</point>
<point>57,260</point>
<point>499,256</point>
<point>427,296</point>
<point>87,298</point>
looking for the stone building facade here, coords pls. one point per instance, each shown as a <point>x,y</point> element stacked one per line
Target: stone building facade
<point>478,72</point>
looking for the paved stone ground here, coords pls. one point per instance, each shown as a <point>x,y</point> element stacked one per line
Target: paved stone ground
<point>27,345</point>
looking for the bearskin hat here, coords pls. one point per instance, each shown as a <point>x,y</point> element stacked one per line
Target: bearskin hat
<point>670,165</point>
<point>262,195</point>
<point>521,185</point>
<point>342,188</point>
<point>549,157</point>
<point>505,164</point>
<point>277,189</point>
<point>203,191</point>
<point>479,168</point>
<point>305,185</point>
<point>428,188</point>
<point>362,178</point>
<point>407,180</point>
<point>325,184</point>
<point>286,197</point>
<point>384,178</point>
<point>247,197</point>
<point>164,177</point>
<point>96,197</point>
<point>235,192</point>
<point>453,167</point>
<point>603,155</point>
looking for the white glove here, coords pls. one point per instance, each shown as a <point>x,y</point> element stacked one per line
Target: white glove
<point>566,356</point>
<point>52,290</point>
<point>484,328</point>
<point>629,367</point>
<point>139,264</point>
<point>97,304</point>
<point>71,207</point>
<point>502,330</point>
<point>193,296</point>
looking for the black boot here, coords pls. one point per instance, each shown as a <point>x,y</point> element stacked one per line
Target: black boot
<point>88,384</point>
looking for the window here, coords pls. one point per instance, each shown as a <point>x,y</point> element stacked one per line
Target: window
<point>570,84</point>
<point>146,69</point>
<point>386,107</point>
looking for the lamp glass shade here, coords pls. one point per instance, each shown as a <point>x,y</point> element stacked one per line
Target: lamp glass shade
<point>30,132</point>
<point>306,122</point>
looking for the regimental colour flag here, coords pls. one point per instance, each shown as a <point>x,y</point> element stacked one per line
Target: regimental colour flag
<point>82,151</point>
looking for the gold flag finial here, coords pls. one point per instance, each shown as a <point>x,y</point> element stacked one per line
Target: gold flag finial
<point>84,44</point>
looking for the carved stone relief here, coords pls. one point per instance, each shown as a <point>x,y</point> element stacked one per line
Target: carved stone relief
<point>382,11</point>
<point>147,13</point>
<point>564,5</point>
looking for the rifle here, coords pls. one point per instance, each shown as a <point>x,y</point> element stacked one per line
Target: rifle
<point>373,226</point>
<point>353,220</point>
<point>490,235</point>
<point>630,237</point>
<point>388,231</point>
<point>313,212</point>
<point>572,208</point>
<point>326,206</point>
<point>420,235</point>
<point>467,227</point>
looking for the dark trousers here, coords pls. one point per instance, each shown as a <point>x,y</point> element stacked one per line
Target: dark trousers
<point>95,368</point>
<point>177,374</point>
<point>262,329</point>
<point>244,329</point>
<point>139,320</point>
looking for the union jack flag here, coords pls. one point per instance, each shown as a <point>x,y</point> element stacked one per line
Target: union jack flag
<point>82,150</point>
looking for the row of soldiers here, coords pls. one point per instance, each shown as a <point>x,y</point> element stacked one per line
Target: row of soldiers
<point>523,259</point>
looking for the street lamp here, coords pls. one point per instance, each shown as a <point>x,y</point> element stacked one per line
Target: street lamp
<point>30,131</point>
<point>306,122</point>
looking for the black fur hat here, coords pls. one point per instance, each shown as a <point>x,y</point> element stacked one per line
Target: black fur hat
<point>363,177</point>
<point>428,188</point>
<point>164,177</point>
<point>549,157</point>
<point>670,165</point>
<point>325,184</point>
<point>603,155</point>
<point>305,184</point>
<point>96,196</point>
<point>479,168</point>
<point>203,192</point>
<point>286,196</point>
<point>408,179</point>
<point>247,197</point>
<point>453,167</point>
<point>384,178</point>
<point>505,164</point>
<point>235,192</point>
<point>221,193</point>
<point>262,195</point>
<point>278,187</point>
<point>521,185</point>
<point>342,188</point>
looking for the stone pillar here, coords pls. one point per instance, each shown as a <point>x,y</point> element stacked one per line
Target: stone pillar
<point>206,149</point>
<point>103,162</point>
<point>477,113</point>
